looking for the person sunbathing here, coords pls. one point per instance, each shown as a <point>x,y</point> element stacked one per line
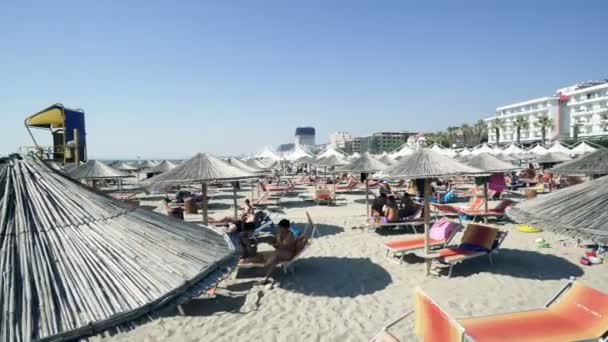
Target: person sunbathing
<point>391,210</point>
<point>378,205</point>
<point>285,248</point>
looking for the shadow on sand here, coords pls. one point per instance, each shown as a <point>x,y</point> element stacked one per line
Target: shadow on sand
<point>520,264</point>
<point>336,277</point>
<point>226,197</point>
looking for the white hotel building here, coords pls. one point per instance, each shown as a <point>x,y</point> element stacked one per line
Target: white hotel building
<point>589,109</point>
<point>582,103</point>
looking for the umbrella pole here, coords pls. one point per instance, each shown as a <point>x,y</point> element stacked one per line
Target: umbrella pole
<point>334,177</point>
<point>427,221</point>
<point>252,190</point>
<point>205,214</point>
<point>366,198</point>
<point>485,194</point>
<point>236,213</point>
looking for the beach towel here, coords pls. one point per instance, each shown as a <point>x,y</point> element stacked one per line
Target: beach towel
<point>442,229</point>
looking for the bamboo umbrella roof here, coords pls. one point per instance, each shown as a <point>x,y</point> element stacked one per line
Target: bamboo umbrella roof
<point>513,149</point>
<point>76,262</point>
<point>559,147</point>
<point>258,163</point>
<point>94,169</point>
<point>365,163</point>
<point>331,160</point>
<point>487,162</point>
<point>122,166</point>
<point>595,163</point>
<point>385,159</point>
<point>164,166</point>
<point>552,157</point>
<point>403,151</point>
<point>243,166</point>
<point>578,211</point>
<point>203,167</point>
<point>505,157</point>
<point>425,163</point>
<point>305,160</point>
<point>538,149</point>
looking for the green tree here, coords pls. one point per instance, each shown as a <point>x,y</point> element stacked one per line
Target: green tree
<point>465,132</point>
<point>520,123</point>
<point>481,131</point>
<point>497,125</point>
<point>544,122</point>
<point>452,133</point>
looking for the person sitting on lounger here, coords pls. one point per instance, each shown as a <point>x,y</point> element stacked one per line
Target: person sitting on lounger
<point>378,205</point>
<point>385,188</point>
<point>285,248</point>
<point>248,213</point>
<point>391,210</point>
<point>407,206</point>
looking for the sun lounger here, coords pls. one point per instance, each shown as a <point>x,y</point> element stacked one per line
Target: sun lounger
<point>303,243</point>
<point>323,196</point>
<point>350,185</point>
<point>413,243</point>
<point>449,210</point>
<point>268,198</point>
<point>415,219</point>
<point>576,313</point>
<point>499,211</point>
<point>276,187</point>
<point>477,241</point>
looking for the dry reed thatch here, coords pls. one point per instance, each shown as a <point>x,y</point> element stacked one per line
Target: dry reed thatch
<point>385,159</point>
<point>552,157</point>
<point>595,163</point>
<point>425,163</point>
<point>331,160</point>
<point>76,262</point>
<point>122,166</point>
<point>259,163</point>
<point>94,169</point>
<point>244,166</point>
<point>578,211</point>
<point>146,164</point>
<point>364,164</point>
<point>163,166</point>
<point>203,167</point>
<point>487,162</point>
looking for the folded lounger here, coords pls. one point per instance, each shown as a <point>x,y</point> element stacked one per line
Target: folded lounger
<point>477,241</point>
<point>576,313</point>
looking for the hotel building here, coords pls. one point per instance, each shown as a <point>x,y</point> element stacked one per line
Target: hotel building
<point>339,139</point>
<point>589,110</point>
<point>305,136</point>
<point>584,104</point>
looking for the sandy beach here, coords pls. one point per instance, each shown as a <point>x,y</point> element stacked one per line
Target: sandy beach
<point>345,289</point>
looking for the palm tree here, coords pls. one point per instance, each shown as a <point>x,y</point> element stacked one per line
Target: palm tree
<point>465,131</point>
<point>520,122</point>
<point>452,132</point>
<point>575,128</point>
<point>481,130</point>
<point>496,125</point>
<point>604,121</point>
<point>544,122</point>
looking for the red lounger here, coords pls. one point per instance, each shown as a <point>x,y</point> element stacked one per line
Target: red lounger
<point>274,188</point>
<point>576,313</point>
<point>445,209</point>
<point>499,210</point>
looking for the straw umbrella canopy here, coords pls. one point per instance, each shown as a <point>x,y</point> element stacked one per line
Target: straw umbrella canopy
<point>365,164</point>
<point>164,166</point>
<point>489,163</point>
<point>538,149</point>
<point>595,163</point>
<point>559,147</point>
<point>426,164</point>
<point>305,160</point>
<point>386,159</point>
<point>95,170</point>
<point>578,211</point>
<point>583,148</point>
<point>203,168</point>
<point>244,166</point>
<point>552,157</point>
<point>122,166</point>
<point>77,262</point>
<point>258,163</point>
<point>505,157</point>
<point>146,164</point>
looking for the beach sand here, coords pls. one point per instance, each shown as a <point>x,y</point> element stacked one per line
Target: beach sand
<point>345,289</point>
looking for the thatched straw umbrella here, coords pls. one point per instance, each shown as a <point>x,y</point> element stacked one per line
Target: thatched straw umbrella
<point>331,160</point>
<point>76,262</point>
<point>426,164</point>
<point>385,159</point>
<point>595,163</point>
<point>146,164</point>
<point>122,166</point>
<point>258,163</point>
<point>203,168</point>
<point>365,164</point>
<point>490,164</point>
<point>162,167</point>
<point>578,211</point>
<point>94,170</point>
<point>552,158</point>
<point>247,168</point>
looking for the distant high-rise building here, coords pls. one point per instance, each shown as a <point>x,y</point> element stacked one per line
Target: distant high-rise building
<point>305,136</point>
<point>339,139</point>
<point>380,141</point>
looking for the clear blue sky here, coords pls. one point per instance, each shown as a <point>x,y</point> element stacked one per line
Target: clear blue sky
<point>165,79</point>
